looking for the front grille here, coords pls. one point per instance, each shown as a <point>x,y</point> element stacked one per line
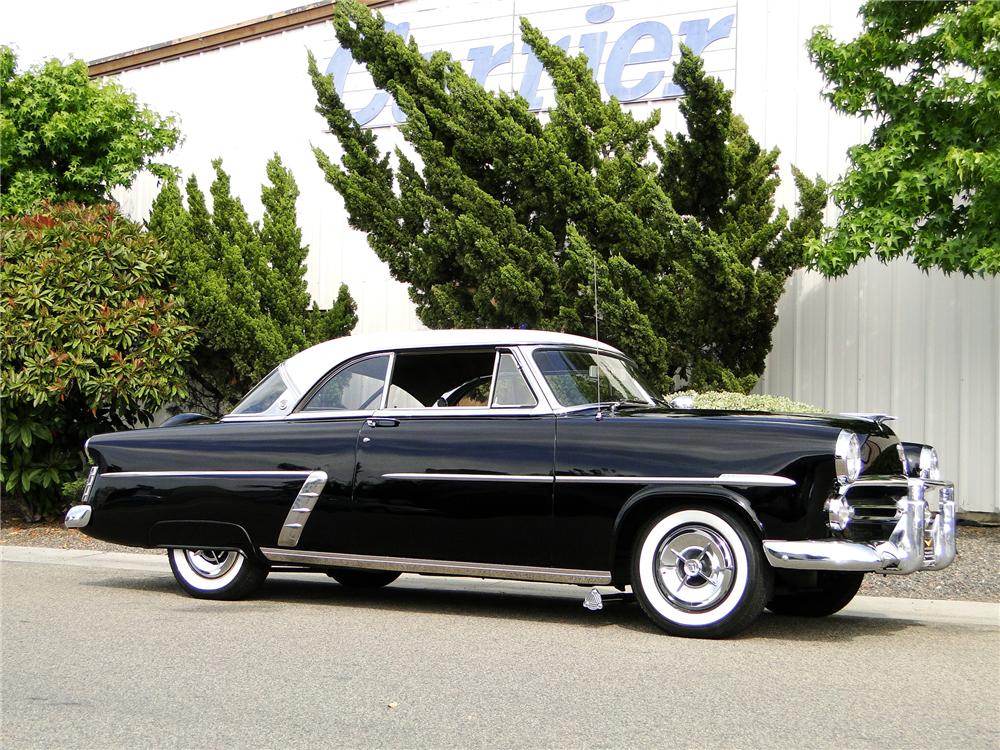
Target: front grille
<point>876,511</point>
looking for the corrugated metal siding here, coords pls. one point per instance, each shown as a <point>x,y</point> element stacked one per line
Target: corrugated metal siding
<point>889,338</point>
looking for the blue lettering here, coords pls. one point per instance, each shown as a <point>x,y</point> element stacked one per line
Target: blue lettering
<point>592,46</point>
<point>484,61</point>
<point>697,36</point>
<point>533,74</point>
<point>340,66</point>
<point>623,56</point>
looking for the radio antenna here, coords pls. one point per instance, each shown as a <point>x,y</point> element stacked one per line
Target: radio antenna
<point>597,338</point>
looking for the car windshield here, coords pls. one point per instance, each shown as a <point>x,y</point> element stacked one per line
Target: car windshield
<point>577,377</point>
<point>263,395</point>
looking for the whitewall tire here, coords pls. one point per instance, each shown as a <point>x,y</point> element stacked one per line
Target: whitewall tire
<point>216,573</point>
<point>700,572</point>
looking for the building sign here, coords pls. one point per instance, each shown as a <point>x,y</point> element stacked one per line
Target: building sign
<point>631,46</point>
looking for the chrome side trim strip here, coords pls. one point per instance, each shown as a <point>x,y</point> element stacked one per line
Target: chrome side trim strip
<point>221,473</point>
<point>737,480</point>
<point>472,477</point>
<point>439,567</point>
<point>298,514</point>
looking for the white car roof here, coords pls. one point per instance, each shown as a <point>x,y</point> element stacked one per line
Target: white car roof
<point>305,368</point>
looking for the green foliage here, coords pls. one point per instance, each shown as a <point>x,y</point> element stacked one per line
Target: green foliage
<point>927,183</point>
<point>729,401</point>
<point>72,491</point>
<point>67,138</point>
<point>93,340</point>
<point>244,284</point>
<point>509,220</point>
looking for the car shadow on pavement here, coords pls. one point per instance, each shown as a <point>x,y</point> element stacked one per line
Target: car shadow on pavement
<point>490,602</point>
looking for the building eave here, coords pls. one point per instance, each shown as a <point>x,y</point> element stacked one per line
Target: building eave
<point>227,36</point>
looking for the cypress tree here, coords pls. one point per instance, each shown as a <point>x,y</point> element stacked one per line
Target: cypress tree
<point>244,282</point>
<point>513,222</point>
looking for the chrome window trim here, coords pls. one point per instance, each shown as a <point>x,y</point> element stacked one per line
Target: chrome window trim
<point>290,396</point>
<point>439,567</point>
<point>501,351</point>
<point>555,405</point>
<point>219,473</point>
<point>312,416</point>
<point>311,391</point>
<point>493,378</point>
<point>461,411</point>
<point>734,480</point>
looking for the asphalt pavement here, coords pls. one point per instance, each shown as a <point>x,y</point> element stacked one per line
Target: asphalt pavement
<point>102,650</point>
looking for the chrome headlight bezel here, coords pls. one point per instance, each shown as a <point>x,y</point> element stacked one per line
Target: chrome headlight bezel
<point>928,463</point>
<point>848,457</point>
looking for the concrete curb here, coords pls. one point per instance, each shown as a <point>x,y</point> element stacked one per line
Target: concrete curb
<point>942,611</point>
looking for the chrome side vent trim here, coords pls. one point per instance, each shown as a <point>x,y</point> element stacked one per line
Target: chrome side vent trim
<point>297,516</point>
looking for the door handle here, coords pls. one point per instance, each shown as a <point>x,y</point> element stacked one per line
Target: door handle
<point>383,422</point>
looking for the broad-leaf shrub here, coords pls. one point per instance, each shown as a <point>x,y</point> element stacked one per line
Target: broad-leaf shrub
<point>93,340</point>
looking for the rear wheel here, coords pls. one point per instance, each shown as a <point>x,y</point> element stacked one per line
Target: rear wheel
<point>834,590</point>
<point>363,579</point>
<point>216,573</point>
<point>700,572</point>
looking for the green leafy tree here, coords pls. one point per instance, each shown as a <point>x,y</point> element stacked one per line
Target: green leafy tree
<point>244,283</point>
<point>512,222</point>
<point>68,138</point>
<point>927,182</point>
<point>93,340</point>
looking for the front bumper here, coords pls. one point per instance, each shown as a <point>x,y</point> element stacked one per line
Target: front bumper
<point>922,539</point>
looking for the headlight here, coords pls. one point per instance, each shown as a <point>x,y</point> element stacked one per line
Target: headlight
<point>928,463</point>
<point>848,453</point>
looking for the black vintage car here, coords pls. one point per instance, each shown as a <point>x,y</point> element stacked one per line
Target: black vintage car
<point>522,455</point>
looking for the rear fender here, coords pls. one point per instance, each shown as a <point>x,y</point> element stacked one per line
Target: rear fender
<point>202,535</point>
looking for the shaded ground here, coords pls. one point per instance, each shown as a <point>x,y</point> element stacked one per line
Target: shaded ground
<point>974,576</point>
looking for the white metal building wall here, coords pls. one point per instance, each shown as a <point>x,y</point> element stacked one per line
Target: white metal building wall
<point>889,338</point>
<point>883,339</point>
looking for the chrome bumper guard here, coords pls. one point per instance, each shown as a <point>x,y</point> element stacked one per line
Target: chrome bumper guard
<point>921,540</point>
<point>77,517</point>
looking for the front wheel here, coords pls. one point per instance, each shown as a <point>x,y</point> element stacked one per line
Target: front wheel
<point>700,572</point>
<point>834,590</point>
<point>216,573</point>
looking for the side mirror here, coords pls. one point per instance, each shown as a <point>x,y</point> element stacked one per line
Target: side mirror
<point>683,402</point>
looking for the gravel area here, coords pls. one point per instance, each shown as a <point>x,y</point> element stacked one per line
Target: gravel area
<point>974,576</point>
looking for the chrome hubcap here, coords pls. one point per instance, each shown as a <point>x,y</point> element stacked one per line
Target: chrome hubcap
<point>211,563</point>
<point>694,567</point>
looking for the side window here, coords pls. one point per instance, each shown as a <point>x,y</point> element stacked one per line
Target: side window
<point>441,379</point>
<point>511,389</point>
<point>356,387</point>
